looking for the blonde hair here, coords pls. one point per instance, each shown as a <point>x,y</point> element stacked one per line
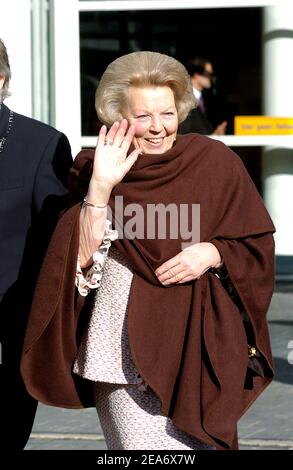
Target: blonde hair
<point>142,69</point>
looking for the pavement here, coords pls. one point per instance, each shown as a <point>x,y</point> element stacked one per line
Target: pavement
<point>267,425</point>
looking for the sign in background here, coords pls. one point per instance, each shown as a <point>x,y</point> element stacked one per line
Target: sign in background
<point>263,125</point>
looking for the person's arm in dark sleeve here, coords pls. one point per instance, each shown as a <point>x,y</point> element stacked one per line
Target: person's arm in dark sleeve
<point>50,197</point>
<point>50,188</point>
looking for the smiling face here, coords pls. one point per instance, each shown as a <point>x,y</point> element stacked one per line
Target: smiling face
<point>153,112</point>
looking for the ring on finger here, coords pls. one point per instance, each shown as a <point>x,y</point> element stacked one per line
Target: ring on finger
<point>177,278</point>
<point>108,142</point>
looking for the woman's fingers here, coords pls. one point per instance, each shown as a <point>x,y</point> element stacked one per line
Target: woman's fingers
<point>111,161</point>
<point>120,133</point>
<point>187,279</point>
<point>176,278</point>
<point>110,137</point>
<point>170,264</point>
<point>115,135</point>
<point>128,138</point>
<point>170,273</point>
<point>124,136</point>
<point>101,137</point>
<point>117,132</point>
<point>175,271</point>
<point>131,159</point>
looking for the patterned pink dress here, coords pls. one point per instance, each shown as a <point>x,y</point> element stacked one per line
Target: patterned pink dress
<point>129,412</point>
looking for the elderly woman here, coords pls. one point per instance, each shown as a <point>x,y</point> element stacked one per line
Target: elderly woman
<point>170,331</point>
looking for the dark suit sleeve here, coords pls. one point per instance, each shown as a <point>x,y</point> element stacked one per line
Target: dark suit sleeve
<point>48,197</point>
<point>52,174</point>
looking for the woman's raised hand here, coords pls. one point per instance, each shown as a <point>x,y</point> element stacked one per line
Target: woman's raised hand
<point>111,162</point>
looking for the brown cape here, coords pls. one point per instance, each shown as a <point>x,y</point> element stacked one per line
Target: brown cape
<point>187,341</point>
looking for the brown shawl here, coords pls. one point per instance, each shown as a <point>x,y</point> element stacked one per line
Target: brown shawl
<point>187,341</point>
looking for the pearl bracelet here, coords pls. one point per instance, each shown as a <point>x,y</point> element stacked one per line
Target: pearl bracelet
<point>90,204</point>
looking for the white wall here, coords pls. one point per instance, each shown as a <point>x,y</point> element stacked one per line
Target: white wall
<point>65,72</point>
<point>15,31</point>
